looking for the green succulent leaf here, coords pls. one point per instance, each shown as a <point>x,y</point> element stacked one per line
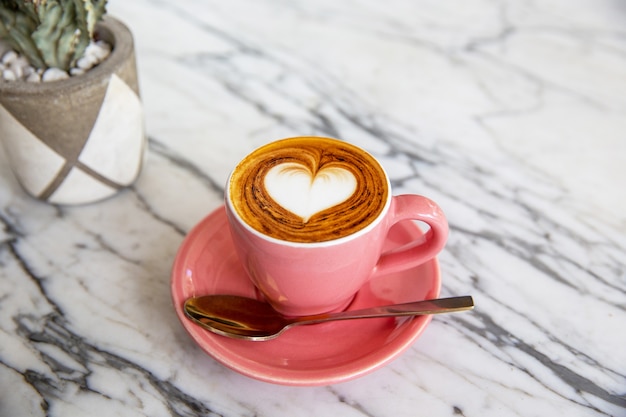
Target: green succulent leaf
<point>17,29</point>
<point>50,33</point>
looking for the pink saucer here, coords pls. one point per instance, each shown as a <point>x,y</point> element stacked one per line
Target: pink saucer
<point>320,354</point>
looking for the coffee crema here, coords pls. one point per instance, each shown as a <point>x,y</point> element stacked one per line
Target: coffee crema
<point>308,189</point>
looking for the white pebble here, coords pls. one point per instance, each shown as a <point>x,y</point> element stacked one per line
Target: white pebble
<point>76,71</point>
<point>99,50</point>
<point>54,74</point>
<point>33,77</point>
<point>9,57</point>
<point>104,44</point>
<point>27,71</point>
<point>20,67</point>
<point>9,75</point>
<point>86,62</point>
<point>21,61</point>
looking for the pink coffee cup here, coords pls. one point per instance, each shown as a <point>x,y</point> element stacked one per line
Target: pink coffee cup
<point>311,278</point>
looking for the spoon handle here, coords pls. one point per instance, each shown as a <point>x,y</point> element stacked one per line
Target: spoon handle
<point>441,305</point>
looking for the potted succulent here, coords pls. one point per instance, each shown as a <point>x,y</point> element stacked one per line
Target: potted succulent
<point>71,120</point>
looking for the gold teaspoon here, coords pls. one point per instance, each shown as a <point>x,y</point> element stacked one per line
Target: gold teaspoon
<point>249,319</point>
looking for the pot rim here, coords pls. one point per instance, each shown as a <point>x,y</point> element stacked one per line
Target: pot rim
<point>109,29</point>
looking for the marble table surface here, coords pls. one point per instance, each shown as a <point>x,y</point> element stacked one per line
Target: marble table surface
<point>512,115</point>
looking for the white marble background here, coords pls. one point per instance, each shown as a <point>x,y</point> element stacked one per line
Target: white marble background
<point>511,114</point>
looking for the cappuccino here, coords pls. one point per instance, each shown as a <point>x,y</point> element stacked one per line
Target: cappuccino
<point>308,189</point>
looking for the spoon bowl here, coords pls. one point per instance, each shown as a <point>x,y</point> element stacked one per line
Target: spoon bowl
<point>249,319</point>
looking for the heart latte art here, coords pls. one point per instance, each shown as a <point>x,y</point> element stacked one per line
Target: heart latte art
<point>294,187</point>
<point>308,189</point>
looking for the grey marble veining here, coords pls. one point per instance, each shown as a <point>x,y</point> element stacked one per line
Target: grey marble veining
<point>511,115</point>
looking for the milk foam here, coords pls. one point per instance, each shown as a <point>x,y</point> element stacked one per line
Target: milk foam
<point>303,193</point>
<point>308,189</point>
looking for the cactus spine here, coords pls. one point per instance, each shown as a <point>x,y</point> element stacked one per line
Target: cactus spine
<point>50,33</point>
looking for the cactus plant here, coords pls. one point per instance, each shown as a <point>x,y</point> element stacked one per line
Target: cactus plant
<point>50,33</point>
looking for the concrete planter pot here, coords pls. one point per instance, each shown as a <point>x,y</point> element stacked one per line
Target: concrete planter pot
<point>82,139</point>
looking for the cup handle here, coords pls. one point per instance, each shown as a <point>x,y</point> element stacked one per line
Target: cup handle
<point>414,207</point>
